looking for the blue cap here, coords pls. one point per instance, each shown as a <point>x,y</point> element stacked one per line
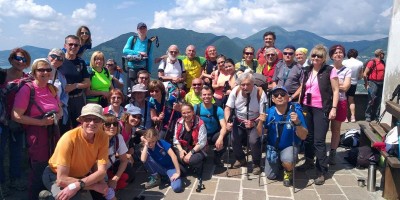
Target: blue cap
<point>279,88</point>
<point>290,47</point>
<point>141,24</point>
<point>133,110</point>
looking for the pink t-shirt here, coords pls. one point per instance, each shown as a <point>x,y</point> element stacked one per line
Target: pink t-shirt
<point>313,88</point>
<point>43,97</point>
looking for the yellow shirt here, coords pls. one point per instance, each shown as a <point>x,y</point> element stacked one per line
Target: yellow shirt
<point>74,152</point>
<point>192,67</point>
<point>193,99</point>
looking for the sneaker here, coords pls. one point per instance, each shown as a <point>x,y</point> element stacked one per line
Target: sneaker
<point>346,121</point>
<point>320,180</point>
<point>287,178</point>
<point>18,185</point>
<point>353,119</point>
<point>154,181</point>
<point>332,156</point>
<point>44,195</point>
<point>308,164</point>
<point>256,170</point>
<point>239,163</point>
<point>4,190</point>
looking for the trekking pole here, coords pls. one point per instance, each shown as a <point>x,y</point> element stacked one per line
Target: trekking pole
<point>264,109</point>
<point>248,136</point>
<point>292,109</point>
<point>231,119</point>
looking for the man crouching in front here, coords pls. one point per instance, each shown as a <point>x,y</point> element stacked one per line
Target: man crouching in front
<point>70,173</point>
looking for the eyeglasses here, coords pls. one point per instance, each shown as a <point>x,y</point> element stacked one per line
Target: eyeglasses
<point>316,55</point>
<point>196,84</point>
<point>144,78</point>
<point>174,52</point>
<point>118,98</point>
<point>279,92</point>
<point>44,70</point>
<point>137,116</point>
<point>108,124</point>
<point>85,33</point>
<point>20,58</point>
<point>222,62</point>
<point>248,53</point>
<point>288,53</point>
<point>92,119</point>
<point>54,56</point>
<point>156,91</point>
<point>270,55</point>
<point>73,44</point>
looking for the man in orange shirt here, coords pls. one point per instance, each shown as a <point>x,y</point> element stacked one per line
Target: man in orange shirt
<point>69,173</point>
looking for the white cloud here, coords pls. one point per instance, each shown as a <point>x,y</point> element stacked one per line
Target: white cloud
<point>26,8</point>
<point>332,18</point>
<point>125,5</point>
<point>84,15</point>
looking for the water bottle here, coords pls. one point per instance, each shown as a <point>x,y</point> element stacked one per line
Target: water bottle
<point>371,182</point>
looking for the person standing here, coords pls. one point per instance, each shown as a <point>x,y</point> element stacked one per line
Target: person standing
<point>356,67</point>
<point>76,73</point>
<point>117,74</point>
<point>193,65</point>
<point>269,42</point>
<point>374,74</point>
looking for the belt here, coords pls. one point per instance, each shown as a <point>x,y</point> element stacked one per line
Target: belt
<point>76,95</point>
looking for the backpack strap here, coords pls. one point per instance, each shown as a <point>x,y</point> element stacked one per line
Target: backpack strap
<point>32,100</point>
<point>133,41</point>
<point>198,109</point>
<point>215,109</point>
<point>254,65</point>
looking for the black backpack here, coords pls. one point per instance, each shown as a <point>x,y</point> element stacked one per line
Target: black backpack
<point>350,139</point>
<point>362,157</point>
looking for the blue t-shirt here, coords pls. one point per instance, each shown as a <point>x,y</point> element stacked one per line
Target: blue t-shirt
<point>153,103</point>
<point>139,46</point>
<point>160,154</point>
<point>287,131</point>
<point>207,115</point>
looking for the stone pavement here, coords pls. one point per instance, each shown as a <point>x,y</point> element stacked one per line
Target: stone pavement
<point>342,184</point>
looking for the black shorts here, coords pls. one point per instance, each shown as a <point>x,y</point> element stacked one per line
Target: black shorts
<point>352,91</point>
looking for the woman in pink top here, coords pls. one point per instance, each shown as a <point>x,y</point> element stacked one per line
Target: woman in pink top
<point>221,75</point>
<point>337,53</point>
<point>319,97</point>
<point>36,118</point>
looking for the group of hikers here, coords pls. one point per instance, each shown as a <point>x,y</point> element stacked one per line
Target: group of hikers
<point>84,132</point>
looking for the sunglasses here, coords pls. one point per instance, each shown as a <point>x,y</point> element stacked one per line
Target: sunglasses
<point>156,91</point>
<point>85,33</point>
<point>108,124</point>
<point>137,116</point>
<point>73,44</point>
<point>44,70</point>
<point>90,119</point>
<point>196,84</point>
<point>270,55</point>
<point>248,53</point>
<point>288,53</point>
<point>54,56</point>
<point>316,55</point>
<point>279,92</point>
<point>20,58</point>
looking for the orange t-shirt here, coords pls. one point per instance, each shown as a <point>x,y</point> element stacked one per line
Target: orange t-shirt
<point>74,152</point>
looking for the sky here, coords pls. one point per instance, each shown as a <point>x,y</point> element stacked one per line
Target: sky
<point>45,24</point>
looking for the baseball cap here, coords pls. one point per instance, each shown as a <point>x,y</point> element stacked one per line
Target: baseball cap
<point>133,110</point>
<point>92,109</point>
<point>141,24</point>
<point>279,88</point>
<point>139,88</point>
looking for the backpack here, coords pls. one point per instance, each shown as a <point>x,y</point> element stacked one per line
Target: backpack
<point>362,157</point>
<point>149,41</point>
<point>350,139</point>
<point>242,67</point>
<point>215,109</point>
<point>392,142</point>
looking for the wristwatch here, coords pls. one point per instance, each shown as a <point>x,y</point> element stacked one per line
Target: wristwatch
<point>192,151</point>
<point>81,184</point>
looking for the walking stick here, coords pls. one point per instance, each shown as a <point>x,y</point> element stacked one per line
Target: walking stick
<point>248,136</point>
<point>292,109</point>
<point>264,109</point>
<point>231,119</point>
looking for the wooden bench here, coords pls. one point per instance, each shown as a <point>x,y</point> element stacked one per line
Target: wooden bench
<point>374,132</point>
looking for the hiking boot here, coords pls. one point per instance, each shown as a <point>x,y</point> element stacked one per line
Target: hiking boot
<point>332,156</point>
<point>287,178</point>
<point>256,170</point>
<point>320,180</point>
<point>239,163</point>
<point>44,195</point>
<point>154,181</point>
<point>308,164</point>
<point>5,190</point>
<point>18,185</point>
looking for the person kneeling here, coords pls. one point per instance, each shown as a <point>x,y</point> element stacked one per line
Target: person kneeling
<point>160,159</point>
<point>285,127</point>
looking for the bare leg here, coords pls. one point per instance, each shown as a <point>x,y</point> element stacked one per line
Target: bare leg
<point>352,106</point>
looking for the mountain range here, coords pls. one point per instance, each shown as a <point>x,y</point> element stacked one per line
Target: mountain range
<point>231,48</point>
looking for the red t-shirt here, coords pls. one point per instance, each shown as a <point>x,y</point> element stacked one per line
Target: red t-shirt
<point>377,72</point>
<point>261,57</point>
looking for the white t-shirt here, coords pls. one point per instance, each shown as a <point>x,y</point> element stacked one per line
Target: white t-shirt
<point>239,103</point>
<point>343,73</point>
<point>171,69</point>
<point>122,148</point>
<point>356,66</point>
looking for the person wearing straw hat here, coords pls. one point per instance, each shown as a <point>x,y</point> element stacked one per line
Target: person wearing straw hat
<point>69,173</point>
